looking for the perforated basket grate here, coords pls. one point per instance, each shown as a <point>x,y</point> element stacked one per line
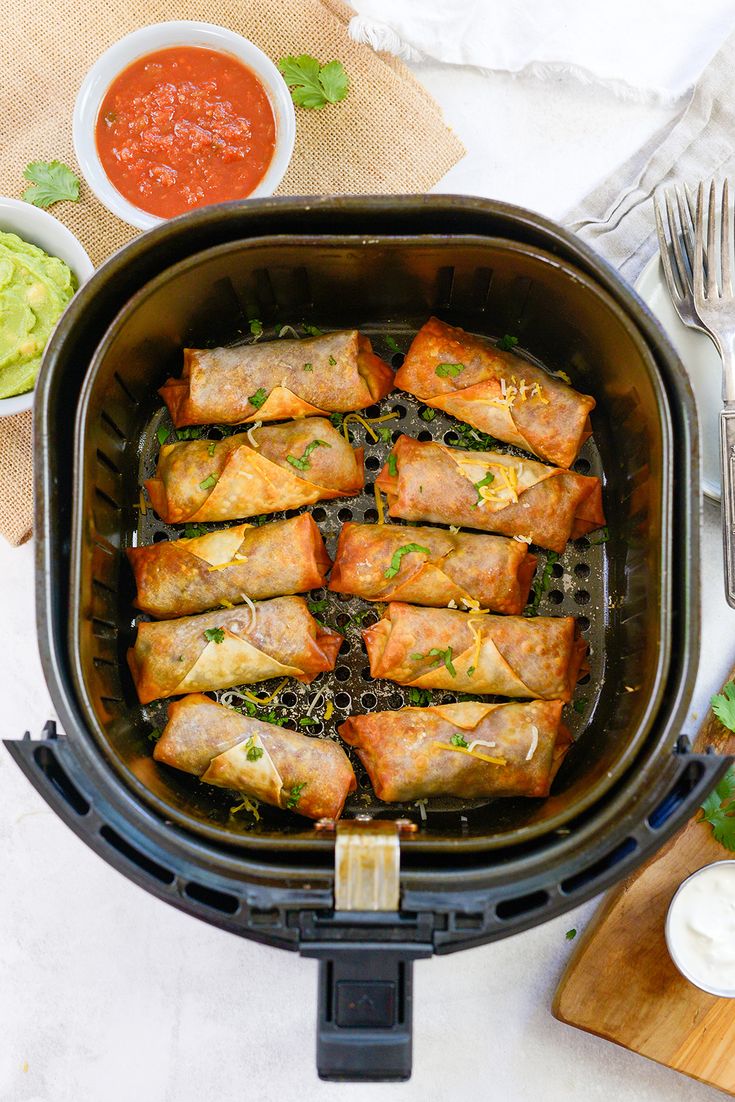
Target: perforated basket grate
<point>574,584</point>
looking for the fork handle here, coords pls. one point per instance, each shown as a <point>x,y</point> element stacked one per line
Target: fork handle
<point>727,469</point>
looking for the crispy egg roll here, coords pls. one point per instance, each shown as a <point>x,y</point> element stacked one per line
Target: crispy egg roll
<point>334,372</point>
<point>432,566</point>
<point>262,470</point>
<point>185,576</point>
<point>440,648</point>
<point>278,638</point>
<point>286,769</point>
<point>491,491</point>
<point>466,750</point>
<point>496,391</point>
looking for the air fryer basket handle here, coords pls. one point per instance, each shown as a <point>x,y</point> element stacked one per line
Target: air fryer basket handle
<point>364,1026</point>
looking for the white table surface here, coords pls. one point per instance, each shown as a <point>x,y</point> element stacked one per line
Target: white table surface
<point>108,995</point>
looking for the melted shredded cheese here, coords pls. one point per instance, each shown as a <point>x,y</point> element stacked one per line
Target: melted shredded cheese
<point>265,699</point>
<point>523,539</point>
<point>563,376</point>
<point>480,742</point>
<point>226,604</point>
<point>477,633</point>
<point>237,561</point>
<point>534,742</point>
<point>454,528</point>
<point>329,710</point>
<point>473,606</point>
<point>470,753</point>
<point>514,389</point>
<point>251,438</point>
<point>452,603</point>
<point>253,613</point>
<point>502,490</point>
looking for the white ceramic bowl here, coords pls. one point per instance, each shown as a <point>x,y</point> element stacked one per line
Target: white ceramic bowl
<point>721,992</point>
<point>159,36</point>
<point>40,228</point>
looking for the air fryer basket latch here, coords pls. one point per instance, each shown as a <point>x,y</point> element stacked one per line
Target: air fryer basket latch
<point>365,958</point>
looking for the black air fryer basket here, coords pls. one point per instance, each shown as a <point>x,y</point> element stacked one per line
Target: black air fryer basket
<point>469,873</point>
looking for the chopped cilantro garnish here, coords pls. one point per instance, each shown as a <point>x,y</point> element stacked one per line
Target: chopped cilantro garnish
<point>392,465</point>
<point>308,367</point>
<point>571,934</point>
<point>317,606</point>
<point>332,361</point>
<point>427,414</point>
<point>256,327</point>
<point>470,671</point>
<point>194,432</point>
<point>459,740</point>
<point>155,734</point>
<point>580,704</point>
<point>193,530</point>
<point>507,343</point>
<point>395,562</point>
<point>256,400</point>
<point>209,482</point>
<point>392,344</point>
<point>312,330</point>
<point>472,439</point>
<point>541,583</point>
<point>483,482</point>
<point>214,635</point>
<point>444,656</point>
<point>304,463</point>
<point>446,371</point>
<point>307,721</point>
<point>210,449</point>
<point>295,795</point>
<point>384,433</point>
<point>419,696</point>
<point>253,752</point>
<point>163,434</point>
<point>603,537</point>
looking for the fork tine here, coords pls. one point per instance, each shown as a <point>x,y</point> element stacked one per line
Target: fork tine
<point>691,198</point>
<point>663,248</point>
<point>698,273</point>
<point>726,241</point>
<point>681,267</point>
<point>711,230</point>
<point>687,230</point>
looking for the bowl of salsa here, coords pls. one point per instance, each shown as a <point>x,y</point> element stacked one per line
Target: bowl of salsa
<point>179,115</point>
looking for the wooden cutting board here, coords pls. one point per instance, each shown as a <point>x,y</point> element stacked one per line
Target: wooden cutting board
<point>621,983</point>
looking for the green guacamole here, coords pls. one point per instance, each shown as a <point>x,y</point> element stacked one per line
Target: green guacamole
<point>34,290</point>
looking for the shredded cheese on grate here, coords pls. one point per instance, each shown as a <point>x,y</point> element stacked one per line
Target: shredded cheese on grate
<point>470,753</point>
<point>317,699</point>
<point>366,422</point>
<point>534,742</point>
<point>253,441</point>
<point>143,506</point>
<point>379,505</point>
<point>329,710</point>
<point>265,699</point>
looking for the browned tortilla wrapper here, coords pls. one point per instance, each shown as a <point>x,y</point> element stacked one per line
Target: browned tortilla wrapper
<point>527,658</point>
<point>335,372</point>
<point>497,392</point>
<point>410,755</point>
<point>181,577</point>
<point>470,570</point>
<point>221,746</point>
<point>249,473</point>
<point>546,505</point>
<point>279,639</point>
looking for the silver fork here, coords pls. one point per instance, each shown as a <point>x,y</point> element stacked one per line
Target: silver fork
<point>677,251</point>
<point>714,302</point>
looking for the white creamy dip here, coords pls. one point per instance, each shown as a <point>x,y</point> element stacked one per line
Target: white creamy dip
<point>700,928</point>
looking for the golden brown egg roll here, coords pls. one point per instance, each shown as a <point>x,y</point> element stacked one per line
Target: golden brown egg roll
<point>490,491</point>
<point>432,566</point>
<point>278,638</point>
<point>440,648</point>
<point>496,391</point>
<point>466,750</point>
<point>334,372</point>
<point>310,776</point>
<point>181,577</point>
<point>263,470</point>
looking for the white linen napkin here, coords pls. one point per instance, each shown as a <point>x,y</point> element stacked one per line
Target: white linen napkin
<point>617,217</point>
<point>640,49</point>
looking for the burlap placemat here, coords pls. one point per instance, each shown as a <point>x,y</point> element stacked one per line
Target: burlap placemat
<point>388,135</point>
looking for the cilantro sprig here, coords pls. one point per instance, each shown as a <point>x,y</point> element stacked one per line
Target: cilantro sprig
<point>214,635</point>
<point>507,343</point>
<point>303,463</point>
<point>295,794</point>
<point>259,397</point>
<point>254,753</point>
<point>444,656</point>
<point>449,371</point>
<point>541,583</point>
<point>51,181</point>
<point>407,549</point>
<point>719,807</point>
<point>459,740</point>
<point>313,85</point>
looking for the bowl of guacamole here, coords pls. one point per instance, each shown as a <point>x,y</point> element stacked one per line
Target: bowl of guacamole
<point>41,266</point>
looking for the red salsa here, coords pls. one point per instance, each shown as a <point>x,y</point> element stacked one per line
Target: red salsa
<point>184,127</point>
